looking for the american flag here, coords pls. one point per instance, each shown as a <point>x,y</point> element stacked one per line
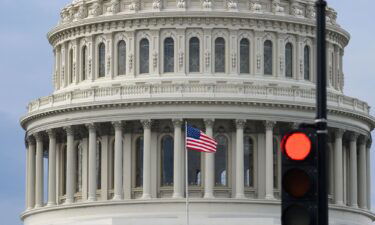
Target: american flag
<point>199,141</point>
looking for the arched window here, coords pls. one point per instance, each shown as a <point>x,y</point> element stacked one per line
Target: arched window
<point>139,162</point>
<point>220,55</point>
<point>249,161</point>
<point>195,175</point>
<point>306,70</point>
<point>79,168</point>
<point>144,56</point>
<point>275,163</point>
<point>244,56</point>
<point>221,161</point>
<point>194,55</point>
<point>268,57</point>
<point>84,62</point>
<point>121,58</point>
<point>289,60</point>
<point>71,69</point>
<point>168,55</point>
<point>99,166</point>
<point>101,57</point>
<point>167,161</point>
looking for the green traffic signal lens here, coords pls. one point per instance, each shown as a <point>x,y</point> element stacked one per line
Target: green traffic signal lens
<point>296,182</point>
<point>296,215</point>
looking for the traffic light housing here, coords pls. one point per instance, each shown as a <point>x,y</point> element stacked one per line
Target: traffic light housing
<point>300,177</point>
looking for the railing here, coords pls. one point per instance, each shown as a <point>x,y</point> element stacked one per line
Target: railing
<point>185,92</point>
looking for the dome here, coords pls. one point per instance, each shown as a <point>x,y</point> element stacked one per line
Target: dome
<point>129,75</point>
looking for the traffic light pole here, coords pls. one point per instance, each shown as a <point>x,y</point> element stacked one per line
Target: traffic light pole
<point>321,111</point>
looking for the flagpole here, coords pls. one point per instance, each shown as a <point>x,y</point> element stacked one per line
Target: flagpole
<point>186,178</point>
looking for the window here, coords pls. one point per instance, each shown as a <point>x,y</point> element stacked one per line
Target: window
<point>84,62</point>
<point>79,168</point>
<point>219,55</point>
<point>195,174</point>
<point>289,60</point>
<point>71,69</point>
<point>268,60</point>
<point>306,69</point>
<point>244,56</point>
<point>99,166</point>
<point>167,161</point>
<point>101,60</point>
<point>249,161</point>
<point>221,161</point>
<point>121,58</point>
<point>168,55</point>
<point>139,162</point>
<point>144,56</point>
<point>194,55</point>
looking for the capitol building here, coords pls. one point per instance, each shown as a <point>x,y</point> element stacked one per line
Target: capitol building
<point>107,146</point>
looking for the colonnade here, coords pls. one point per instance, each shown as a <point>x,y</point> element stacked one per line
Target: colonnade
<point>358,167</point>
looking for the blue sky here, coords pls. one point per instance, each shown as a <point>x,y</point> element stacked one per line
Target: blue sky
<point>26,70</point>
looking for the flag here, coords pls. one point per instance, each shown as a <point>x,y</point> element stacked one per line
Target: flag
<point>199,141</point>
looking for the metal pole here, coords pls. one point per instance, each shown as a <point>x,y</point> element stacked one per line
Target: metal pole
<point>321,111</point>
<point>186,177</point>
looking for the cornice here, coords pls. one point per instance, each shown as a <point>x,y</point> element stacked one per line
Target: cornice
<point>26,214</point>
<point>146,20</point>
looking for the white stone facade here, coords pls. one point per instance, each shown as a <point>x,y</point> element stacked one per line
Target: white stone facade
<point>129,73</point>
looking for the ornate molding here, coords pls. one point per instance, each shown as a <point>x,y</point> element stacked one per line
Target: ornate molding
<point>146,124</point>
<point>240,124</point>
<point>339,133</point>
<point>51,133</point>
<point>177,123</point>
<point>269,125</point>
<point>69,130</point>
<point>118,125</point>
<point>209,123</point>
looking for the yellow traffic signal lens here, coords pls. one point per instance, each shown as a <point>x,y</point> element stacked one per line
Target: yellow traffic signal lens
<point>296,183</point>
<point>297,146</point>
<point>296,215</point>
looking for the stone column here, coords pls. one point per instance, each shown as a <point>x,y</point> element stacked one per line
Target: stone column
<point>39,171</point>
<point>209,172</point>
<point>240,182</point>
<point>31,174</point>
<point>146,158</point>
<point>368,166</point>
<point>362,175</point>
<point>339,184</point>
<point>269,125</point>
<point>92,163</point>
<point>353,171</point>
<point>52,168</point>
<point>118,188</point>
<point>178,163</point>
<point>70,166</point>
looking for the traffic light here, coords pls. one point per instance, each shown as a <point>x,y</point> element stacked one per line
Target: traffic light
<point>300,177</point>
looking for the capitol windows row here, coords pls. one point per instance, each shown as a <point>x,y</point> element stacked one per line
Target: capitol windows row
<point>223,163</point>
<point>169,60</point>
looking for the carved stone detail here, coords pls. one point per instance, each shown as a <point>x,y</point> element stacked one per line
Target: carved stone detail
<point>240,124</point>
<point>181,4</point>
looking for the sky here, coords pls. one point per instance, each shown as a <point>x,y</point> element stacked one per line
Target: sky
<point>26,63</point>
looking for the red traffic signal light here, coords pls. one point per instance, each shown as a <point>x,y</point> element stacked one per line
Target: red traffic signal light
<point>299,177</point>
<point>297,146</point>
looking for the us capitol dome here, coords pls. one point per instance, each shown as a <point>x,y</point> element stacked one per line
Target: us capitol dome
<point>129,73</point>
